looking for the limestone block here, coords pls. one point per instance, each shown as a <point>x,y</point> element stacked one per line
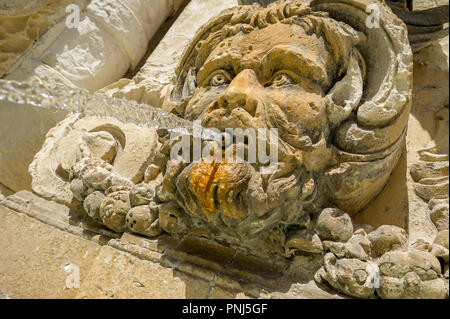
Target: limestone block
<point>150,85</point>
<point>132,266</point>
<point>37,258</point>
<point>116,274</point>
<point>111,38</point>
<point>22,133</point>
<point>89,56</point>
<point>123,25</point>
<point>34,70</point>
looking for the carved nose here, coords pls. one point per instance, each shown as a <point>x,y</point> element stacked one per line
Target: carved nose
<point>241,92</point>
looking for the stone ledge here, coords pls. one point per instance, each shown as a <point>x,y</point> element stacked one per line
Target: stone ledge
<point>192,268</point>
<point>34,257</point>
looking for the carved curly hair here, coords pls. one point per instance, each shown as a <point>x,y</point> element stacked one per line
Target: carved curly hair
<point>340,38</point>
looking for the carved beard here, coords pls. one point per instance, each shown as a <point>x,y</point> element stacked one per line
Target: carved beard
<point>236,198</point>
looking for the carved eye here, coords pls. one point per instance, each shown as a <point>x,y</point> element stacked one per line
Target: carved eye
<point>281,79</point>
<point>220,78</point>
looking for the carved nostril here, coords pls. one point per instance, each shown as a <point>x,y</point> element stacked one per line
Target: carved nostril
<point>233,101</point>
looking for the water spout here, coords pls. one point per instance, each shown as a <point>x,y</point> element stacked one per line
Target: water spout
<point>81,101</point>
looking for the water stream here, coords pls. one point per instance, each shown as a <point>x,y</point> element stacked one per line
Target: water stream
<point>81,101</point>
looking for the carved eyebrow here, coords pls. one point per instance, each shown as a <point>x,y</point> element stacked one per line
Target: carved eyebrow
<point>226,62</point>
<point>292,57</point>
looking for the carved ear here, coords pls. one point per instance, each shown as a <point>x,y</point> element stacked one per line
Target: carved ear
<point>346,95</point>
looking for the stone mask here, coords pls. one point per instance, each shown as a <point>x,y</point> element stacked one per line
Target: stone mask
<point>299,67</point>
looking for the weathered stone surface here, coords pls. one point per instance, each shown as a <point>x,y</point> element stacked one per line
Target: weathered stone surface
<point>397,264</point>
<point>304,240</point>
<point>134,149</point>
<point>89,57</point>
<point>143,220</point>
<point>36,258</point>
<point>337,91</point>
<point>22,23</point>
<point>335,225</point>
<point>114,210</point>
<point>412,274</point>
<point>4,191</point>
<point>154,80</point>
<point>82,62</point>
<point>427,137</point>
<point>411,287</point>
<point>92,205</point>
<point>387,238</point>
<point>346,275</point>
<point>186,268</point>
<point>357,247</point>
<point>439,214</point>
<point>117,274</point>
<point>442,238</point>
<point>142,194</point>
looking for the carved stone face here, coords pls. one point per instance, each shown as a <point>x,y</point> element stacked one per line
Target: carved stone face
<point>305,68</point>
<point>276,77</point>
<point>272,78</point>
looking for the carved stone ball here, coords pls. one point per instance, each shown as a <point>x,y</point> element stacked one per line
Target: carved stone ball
<point>346,275</point>
<point>143,220</point>
<point>335,225</point>
<point>114,209</point>
<point>96,178</point>
<point>412,274</point>
<point>387,238</point>
<point>116,180</point>
<point>92,205</point>
<point>411,287</point>
<point>78,189</point>
<point>141,194</point>
<point>171,219</point>
<point>397,264</point>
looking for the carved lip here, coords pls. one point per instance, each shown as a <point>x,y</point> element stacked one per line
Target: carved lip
<point>218,188</point>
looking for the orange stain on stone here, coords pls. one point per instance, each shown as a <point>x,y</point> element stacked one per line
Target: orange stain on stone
<point>210,183</point>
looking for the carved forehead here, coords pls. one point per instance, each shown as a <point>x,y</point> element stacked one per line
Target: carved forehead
<point>278,46</point>
<point>339,37</point>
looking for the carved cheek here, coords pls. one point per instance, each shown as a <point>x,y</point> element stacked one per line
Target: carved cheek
<point>296,111</point>
<point>202,99</point>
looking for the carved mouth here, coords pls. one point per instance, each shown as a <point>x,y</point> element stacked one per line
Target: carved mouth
<point>218,188</point>
<point>239,200</point>
<point>237,193</point>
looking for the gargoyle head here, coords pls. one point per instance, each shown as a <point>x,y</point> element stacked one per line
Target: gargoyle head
<point>336,90</point>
